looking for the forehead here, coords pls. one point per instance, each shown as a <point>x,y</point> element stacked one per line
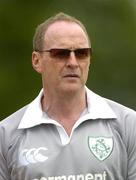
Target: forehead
<point>64,33</point>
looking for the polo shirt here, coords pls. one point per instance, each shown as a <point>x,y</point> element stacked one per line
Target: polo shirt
<point>101,145</point>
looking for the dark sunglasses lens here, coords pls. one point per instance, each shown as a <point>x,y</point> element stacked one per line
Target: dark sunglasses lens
<point>60,53</point>
<point>65,53</point>
<point>82,53</point>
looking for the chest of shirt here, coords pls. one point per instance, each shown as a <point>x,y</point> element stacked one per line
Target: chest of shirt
<point>95,151</point>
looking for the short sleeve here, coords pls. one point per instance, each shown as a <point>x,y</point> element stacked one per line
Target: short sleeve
<point>131,146</point>
<point>4,174</point>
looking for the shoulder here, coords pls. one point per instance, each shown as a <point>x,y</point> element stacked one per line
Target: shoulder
<point>9,127</point>
<point>125,123</point>
<point>9,132</point>
<point>121,111</point>
<point>12,121</point>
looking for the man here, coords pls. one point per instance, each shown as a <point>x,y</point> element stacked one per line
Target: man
<point>68,132</point>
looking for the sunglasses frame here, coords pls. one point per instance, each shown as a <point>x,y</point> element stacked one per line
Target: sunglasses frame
<point>62,53</point>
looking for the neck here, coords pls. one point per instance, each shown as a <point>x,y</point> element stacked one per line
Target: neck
<point>65,109</point>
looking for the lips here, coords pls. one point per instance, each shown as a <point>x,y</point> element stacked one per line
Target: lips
<point>71,76</point>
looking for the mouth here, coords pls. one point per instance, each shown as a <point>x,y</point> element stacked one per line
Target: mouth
<point>71,76</point>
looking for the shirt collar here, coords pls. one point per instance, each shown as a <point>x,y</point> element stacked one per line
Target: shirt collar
<point>97,108</point>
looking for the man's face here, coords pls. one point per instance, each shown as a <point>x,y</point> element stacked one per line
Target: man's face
<point>62,73</point>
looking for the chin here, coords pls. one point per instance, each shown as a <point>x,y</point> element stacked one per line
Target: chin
<point>72,88</point>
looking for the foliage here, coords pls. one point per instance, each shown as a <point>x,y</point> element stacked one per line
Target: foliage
<point>111,26</point>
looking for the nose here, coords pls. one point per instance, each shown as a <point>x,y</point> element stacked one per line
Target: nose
<point>72,61</point>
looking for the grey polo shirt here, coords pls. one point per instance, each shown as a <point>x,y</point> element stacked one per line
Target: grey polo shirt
<point>101,146</point>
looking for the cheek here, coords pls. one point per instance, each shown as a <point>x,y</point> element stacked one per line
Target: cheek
<point>50,71</point>
<point>85,67</point>
<point>46,66</point>
<point>85,71</point>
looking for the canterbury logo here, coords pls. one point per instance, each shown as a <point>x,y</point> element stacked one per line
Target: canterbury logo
<point>30,156</point>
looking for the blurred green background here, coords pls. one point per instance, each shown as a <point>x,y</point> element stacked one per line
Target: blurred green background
<point>111,25</point>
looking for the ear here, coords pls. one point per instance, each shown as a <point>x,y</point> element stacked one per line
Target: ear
<point>36,62</point>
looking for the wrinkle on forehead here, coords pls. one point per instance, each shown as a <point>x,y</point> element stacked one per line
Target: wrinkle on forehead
<point>65,34</point>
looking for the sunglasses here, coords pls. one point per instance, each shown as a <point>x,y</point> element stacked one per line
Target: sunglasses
<point>81,53</point>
